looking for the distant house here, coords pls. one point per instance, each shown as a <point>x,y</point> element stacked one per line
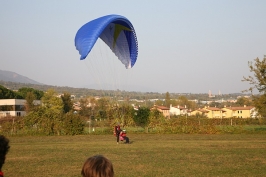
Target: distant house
<point>14,107</point>
<point>214,112</point>
<point>76,106</point>
<point>178,110</point>
<point>210,112</point>
<point>199,111</point>
<point>227,112</point>
<point>162,109</point>
<point>240,112</point>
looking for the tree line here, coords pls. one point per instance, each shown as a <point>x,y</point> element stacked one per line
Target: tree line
<point>84,92</point>
<point>56,115</point>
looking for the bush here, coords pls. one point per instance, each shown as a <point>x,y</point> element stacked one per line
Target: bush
<point>11,125</point>
<point>72,124</point>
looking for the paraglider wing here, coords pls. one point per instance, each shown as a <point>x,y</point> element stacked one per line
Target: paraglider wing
<point>116,31</point>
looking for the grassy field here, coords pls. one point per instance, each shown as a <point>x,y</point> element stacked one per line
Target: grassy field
<point>148,155</point>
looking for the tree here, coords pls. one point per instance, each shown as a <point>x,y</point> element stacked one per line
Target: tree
<point>67,102</point>
<point>73,124</point>
<point>57,117</point>
<point>158,102</point>
<point>85,109</point>
<point>241,101</point>
<point>155,117</point>
<point>8,94</point>
<point>88,107</point>
<point>183,101</point>
<point>216,104</point>
<point>101,107</point>
<point>52,102</point>
<point>51,119</point>
<point>125,114</point>
<point>24,90</point>
<point>260,104</point>
<point>141,117</point>
<point>29,105</point>
<point>167,99</point>
<point>258,81</point>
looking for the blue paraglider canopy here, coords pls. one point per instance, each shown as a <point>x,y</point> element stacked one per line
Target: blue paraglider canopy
<point>116,31</point>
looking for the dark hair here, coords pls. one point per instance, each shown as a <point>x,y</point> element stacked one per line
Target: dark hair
<point>4,147</point>
<point>97,166</point>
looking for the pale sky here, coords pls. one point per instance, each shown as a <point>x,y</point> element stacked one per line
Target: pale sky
<point>184,46</point>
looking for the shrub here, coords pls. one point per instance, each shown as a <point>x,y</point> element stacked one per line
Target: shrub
<point>72,124</point>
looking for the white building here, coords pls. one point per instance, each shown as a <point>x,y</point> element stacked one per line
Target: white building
<point>14,107</point>
<point>178,110</point>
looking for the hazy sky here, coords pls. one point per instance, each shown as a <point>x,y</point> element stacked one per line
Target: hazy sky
<point>184,46</point>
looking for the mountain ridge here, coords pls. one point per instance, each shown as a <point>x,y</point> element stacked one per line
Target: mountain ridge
<point>10,76</point>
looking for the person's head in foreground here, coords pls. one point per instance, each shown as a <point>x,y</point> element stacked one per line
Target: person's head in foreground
<point>4,147</point>
<point>97,166</point>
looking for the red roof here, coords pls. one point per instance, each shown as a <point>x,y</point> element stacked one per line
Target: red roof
<point>240,108</point>
<point>202,110</point>
<point>213,109</point>
<point>180,107</point>
<point>161,107</point>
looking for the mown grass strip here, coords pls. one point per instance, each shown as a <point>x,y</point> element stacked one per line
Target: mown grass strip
<point>147,155</point>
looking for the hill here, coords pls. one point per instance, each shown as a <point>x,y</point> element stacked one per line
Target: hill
<point>10,76</point>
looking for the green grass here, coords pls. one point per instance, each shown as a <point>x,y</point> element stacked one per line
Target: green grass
<point>256,128</point>
<point>149,155</point>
